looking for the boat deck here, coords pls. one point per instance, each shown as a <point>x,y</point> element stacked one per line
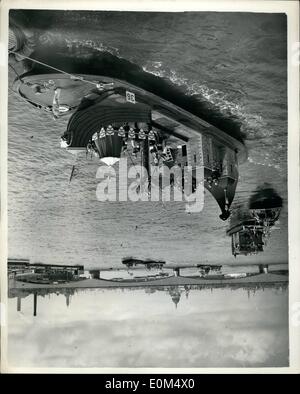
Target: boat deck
<point>171,118</point>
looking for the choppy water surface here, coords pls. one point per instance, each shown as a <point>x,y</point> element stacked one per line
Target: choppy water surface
<point>236,63</point>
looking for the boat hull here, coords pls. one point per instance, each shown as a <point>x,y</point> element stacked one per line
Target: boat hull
<point>165,115</point>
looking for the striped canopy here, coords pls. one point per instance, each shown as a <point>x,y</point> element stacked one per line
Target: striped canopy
<point>105,113</point>
<point>108,147</point>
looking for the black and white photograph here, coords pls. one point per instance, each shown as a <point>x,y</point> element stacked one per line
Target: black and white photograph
<point>148,191</point>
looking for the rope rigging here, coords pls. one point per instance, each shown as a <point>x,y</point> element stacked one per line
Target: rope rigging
<point>54,68</point>
<point>99,84</point>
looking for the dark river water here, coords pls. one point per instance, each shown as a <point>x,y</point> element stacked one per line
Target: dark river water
<point>236,64</point>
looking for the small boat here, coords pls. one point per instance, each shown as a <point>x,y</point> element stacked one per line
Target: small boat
<point>132,262</point>
<point>251,226</point>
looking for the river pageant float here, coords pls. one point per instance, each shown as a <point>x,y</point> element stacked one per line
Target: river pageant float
<point>117,109</point>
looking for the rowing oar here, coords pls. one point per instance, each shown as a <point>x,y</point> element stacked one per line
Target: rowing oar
<point>72,173</point>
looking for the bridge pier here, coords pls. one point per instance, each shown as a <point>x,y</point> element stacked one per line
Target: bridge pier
<point>19,304</point>
<point>263,268</point>
<point>34,304</point>
<point>176,271</point>
<point>95,274</point>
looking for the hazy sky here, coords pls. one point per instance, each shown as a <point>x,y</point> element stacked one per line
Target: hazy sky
<point>111,328</point>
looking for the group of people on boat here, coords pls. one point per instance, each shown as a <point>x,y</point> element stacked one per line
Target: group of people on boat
<point>135,134</point>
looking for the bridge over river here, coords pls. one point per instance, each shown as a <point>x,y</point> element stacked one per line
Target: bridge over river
<point>260,279</point>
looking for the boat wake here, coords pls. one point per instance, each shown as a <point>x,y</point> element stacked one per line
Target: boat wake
<point>99,47</point>
<point>253,125</point>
